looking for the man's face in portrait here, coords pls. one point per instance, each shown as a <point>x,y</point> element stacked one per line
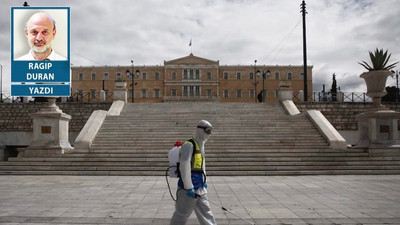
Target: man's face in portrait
<point>40,31</point>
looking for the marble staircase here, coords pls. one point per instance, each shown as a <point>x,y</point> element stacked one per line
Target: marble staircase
<point>247,139</point>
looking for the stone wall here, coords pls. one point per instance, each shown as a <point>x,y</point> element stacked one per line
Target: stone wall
<point>342,115</point>
<point>15,116</point>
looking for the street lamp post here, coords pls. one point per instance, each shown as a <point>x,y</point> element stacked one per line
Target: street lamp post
<point>255,80</point>
<point>265,75</point>
<point>131,75</point>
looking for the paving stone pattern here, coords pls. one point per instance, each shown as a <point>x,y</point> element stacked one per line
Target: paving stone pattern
<point>295,200</point>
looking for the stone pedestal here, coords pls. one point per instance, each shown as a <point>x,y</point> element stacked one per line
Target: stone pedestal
<point>285,91</point>
<point>301,96</point>
<point>120,92</point>
<point>339,96</point>
<point>102,96</point>
<point>378,128</point>
<point>50,132</point>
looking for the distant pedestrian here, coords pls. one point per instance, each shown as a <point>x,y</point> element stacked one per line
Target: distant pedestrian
<point>260,96</point>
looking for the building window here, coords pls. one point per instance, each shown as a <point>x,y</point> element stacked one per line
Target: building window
<point>92,93</point>
<point>191,91</point>
<point>209,92</point>
<point>289,76</point>
<point>144,76</point>
<point>226,93</point>
<point>209,75</point>
<point>185,74</point>
<point>105,77</point>
<point>276,76</point>
<point>239,93</point>
<point>191,74</point>
<point>80,76</point>
<point>226,76</point>
<point>157,76</point>
<point>276,93</point>
<point>119,77</point>
<point>251,93</point>
<point>174,75</point>
<point>173,92</point>
<point>301,76</point>
<point>157,93</point>
<point>144,93</point>
<point>251,76</point>
<point>238,76</point>
<point>93,76</point>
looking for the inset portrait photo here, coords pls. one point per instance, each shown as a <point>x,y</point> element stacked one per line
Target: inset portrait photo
<point>40,34</point>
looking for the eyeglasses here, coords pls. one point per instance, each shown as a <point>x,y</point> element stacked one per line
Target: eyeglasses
<point>206,129</point>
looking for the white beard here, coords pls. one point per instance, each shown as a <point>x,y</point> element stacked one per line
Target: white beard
<point>40,49</point>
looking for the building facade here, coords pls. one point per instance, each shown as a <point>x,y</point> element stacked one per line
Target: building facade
<point>189,78</point>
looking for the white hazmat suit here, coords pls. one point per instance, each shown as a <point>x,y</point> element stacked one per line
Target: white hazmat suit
<point>192,189</point>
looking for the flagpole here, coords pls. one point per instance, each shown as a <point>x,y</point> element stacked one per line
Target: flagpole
<point>191,48</point>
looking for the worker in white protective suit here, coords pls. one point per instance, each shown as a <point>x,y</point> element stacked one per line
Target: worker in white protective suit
<point>192,186</point>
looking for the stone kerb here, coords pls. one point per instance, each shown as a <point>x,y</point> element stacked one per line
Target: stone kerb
<point>116,108</point>
<point>290,107</point>
<point>335,140</point>
<point>90,130</point>
<point>88,133</point>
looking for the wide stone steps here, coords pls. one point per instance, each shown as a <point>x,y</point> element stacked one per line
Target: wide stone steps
<point>260,144</point>
<point>211,156</point>
<point>247,139</point>
<point>131,162</point>
<point>342,158</point>
<point>210,169</point>
<point>231,169</point>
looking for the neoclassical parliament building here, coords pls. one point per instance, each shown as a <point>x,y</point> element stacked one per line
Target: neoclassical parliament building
<point>190,78</point>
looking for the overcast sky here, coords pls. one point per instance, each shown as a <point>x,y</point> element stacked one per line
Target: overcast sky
<point>339,33</point>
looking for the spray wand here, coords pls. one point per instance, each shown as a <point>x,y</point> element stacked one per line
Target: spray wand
<point>226,210</point>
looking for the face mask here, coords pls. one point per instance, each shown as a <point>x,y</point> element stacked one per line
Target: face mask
<point>207,130</point>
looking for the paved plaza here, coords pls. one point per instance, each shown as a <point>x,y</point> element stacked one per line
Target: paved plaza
<point>144,200</point>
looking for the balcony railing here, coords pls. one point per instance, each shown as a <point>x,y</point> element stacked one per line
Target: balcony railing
<point>341,97</point>
<point>316,97</point>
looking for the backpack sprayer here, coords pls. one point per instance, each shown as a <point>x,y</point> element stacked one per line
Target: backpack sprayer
<point>173,169</point>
